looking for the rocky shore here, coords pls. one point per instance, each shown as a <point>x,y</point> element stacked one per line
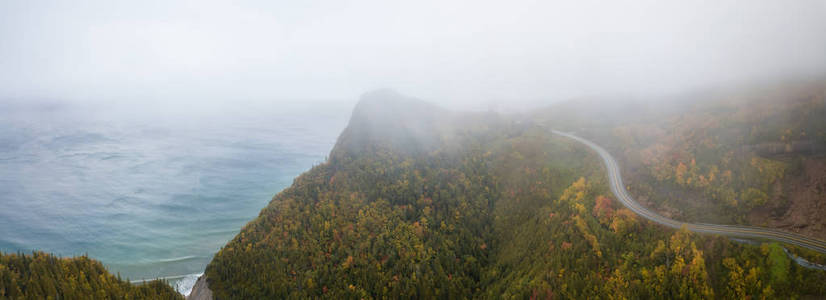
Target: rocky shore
<point>200,291</point>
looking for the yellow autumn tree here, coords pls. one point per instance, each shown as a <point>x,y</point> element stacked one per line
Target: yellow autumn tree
<point>679,173</point>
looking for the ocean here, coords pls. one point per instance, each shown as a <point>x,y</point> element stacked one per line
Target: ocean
<point>152,193</point>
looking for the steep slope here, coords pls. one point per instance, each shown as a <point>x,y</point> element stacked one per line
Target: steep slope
<point>44,276</point>
<point>392,212</point>
<point>386,119</point>
<point>450,205</point>
<point>752,155</point>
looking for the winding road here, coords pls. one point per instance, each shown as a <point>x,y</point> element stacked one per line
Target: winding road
<point>617,187</point>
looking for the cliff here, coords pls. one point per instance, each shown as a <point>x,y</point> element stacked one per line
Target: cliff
<point>200,291</point>
<point>388,120</point>
<point>419,202</point>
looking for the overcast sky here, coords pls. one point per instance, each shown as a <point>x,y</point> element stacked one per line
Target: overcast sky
<point>444,51</point>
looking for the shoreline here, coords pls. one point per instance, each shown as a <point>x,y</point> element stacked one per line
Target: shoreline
<point>183,284</point>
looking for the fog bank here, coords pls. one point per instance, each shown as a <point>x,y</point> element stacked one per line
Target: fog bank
<point>463,53</point>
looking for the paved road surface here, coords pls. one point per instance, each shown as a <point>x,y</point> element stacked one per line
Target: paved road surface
<point>617,187</point>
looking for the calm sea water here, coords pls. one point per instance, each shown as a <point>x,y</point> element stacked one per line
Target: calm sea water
<point>150,194</point>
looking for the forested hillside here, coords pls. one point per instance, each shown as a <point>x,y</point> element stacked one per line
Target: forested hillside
<point>417,202</point>
<point>752,155</point>
<point>45,276</point>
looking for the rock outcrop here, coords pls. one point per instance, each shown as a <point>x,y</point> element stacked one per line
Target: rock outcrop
<point>200,291</point>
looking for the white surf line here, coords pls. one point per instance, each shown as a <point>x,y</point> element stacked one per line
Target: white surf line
<point>174,259</point>
<point>165,277</point>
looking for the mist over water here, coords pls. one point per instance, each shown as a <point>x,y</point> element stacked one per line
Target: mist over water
<point>150,195</point>
<point>146,134</point>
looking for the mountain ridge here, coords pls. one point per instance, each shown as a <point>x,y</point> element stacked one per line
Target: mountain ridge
<point>486,208</point>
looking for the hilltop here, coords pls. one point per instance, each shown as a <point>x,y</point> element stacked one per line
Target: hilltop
<point>420,202</point>
<point>416,201</point>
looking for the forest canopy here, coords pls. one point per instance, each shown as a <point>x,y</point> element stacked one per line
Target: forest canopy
<point>498,210</point>
<point>44,276</point>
